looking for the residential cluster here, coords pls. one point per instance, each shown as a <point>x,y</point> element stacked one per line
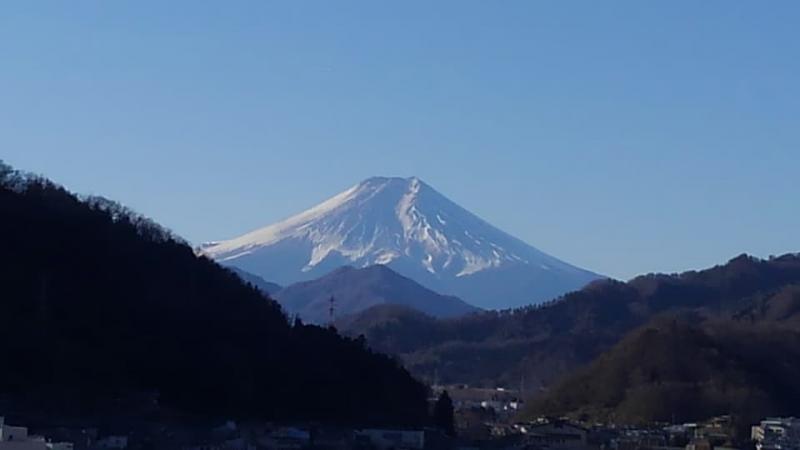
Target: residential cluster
<point>498,404</point>
<point>478,432</point>
<point>227,436</point>
<point>561,434</point>
<point>267,436</point>
<point>717,433</point>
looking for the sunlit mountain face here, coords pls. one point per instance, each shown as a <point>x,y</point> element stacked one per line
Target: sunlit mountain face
<point>407,225</point>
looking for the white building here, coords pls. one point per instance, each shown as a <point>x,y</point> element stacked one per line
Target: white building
<point>17,438</point>
<point>777,433</point>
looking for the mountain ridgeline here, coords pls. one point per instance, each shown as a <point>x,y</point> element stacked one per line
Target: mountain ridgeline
<point>99,303</point>
<point>355,290</point>
<point>542,346</point>
<point>266,287</point>
<point>407,225</point>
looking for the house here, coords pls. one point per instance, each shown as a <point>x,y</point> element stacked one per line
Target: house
<point>17,438</point>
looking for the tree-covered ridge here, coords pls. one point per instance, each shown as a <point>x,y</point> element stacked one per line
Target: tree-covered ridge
<point>539,344</point>
<point>686,369</point>
<point>100,302</point>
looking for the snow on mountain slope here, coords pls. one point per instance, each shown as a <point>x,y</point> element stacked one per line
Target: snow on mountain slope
<point>409,226</point>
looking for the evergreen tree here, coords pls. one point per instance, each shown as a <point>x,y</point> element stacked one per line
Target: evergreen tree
<point>443,414</point>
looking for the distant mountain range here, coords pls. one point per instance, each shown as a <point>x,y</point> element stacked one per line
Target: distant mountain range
<point>408,226</point>
<point>541,347</point>
<point>355,290</point>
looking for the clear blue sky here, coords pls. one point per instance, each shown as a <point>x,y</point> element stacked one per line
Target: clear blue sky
<point>624,137</point>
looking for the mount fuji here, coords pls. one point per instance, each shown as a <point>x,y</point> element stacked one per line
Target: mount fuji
<point>407,225</point>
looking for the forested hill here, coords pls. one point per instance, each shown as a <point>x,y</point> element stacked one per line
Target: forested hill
<point>686,369</point>
<point>100,303</point>
<point>541,344</point>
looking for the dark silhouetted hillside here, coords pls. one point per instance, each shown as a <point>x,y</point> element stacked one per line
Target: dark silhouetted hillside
<point>538,345</point>
<point>678,369</point>
<point>99,303</point>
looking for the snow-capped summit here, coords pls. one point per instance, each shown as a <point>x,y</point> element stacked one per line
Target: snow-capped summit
<point>405,224</point>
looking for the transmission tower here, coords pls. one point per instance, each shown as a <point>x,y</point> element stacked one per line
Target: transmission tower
<point>331,310</point>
